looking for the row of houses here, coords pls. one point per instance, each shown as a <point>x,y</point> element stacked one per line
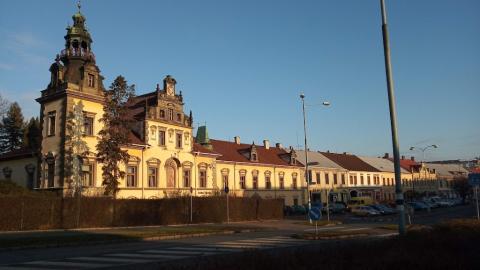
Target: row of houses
<point>167,159</point>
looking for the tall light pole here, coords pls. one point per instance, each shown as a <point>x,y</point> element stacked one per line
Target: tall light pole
<point>399,200</point>
<point>302,97</point>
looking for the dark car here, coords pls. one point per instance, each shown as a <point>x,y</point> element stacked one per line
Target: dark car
<point>383,209</point>
<point>418,206</point>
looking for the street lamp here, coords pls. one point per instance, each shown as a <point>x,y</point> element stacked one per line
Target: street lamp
<point>423,149</point>
<point>325,103</point>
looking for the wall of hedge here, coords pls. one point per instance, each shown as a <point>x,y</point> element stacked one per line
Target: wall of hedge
<point>21,212</point>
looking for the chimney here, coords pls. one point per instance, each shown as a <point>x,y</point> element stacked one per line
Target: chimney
<point>266,143</point>
<point>278,145</point>
<point>386,155</point>
<point>237,139</point>
<point>412,158</point>
<point>403,157</point>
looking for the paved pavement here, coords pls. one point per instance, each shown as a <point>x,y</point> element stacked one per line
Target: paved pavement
<point>142,253</point>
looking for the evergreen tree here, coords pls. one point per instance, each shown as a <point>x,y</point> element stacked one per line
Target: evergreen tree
<point>4,104</point>
<point>114,135</point>
<point>11,130</point>
<point>32,134</point>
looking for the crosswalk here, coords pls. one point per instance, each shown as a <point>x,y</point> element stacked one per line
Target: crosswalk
<point>160,254</point>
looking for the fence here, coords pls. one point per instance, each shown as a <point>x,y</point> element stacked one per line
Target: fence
<point>41,213</point>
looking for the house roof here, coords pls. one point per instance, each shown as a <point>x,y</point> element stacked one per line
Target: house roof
<point>23,152</point>
<point>203,150</point>
<point>350,162</point>
<point>408,164</point>
<point>230,151</point>
<point>323,162</point>
<point>447,170</point>
<point>381,164</point>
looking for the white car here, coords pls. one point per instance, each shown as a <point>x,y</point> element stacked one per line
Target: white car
<point>365,211</point>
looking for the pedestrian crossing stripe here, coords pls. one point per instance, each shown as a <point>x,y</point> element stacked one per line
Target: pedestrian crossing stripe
<point>113,260</point>
<point>181,252</point>
<point>66,264</point>
<point>148,256</point>
<point>202,248</point>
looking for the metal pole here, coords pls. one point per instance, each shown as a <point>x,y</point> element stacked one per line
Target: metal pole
<point>302,96</point>
<point>191,204</point>
<point>228,211</point>
<point>328,205</point>
<point>476,195</point>
<point>393,123</point>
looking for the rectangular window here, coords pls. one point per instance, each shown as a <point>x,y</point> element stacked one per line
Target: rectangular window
<point>170,114</point>
<point>91,80</point>
<point>179,140</point>
<point>361,179</point>
<point>131,176</point>
<point>179,117</point>
<point>225,180</point>
<point>383,180</point>
<point>310,178</point>
<point>242,182</point>
<point>51,174</point>
<point>318,178</point>
<point>255,182</point>
<point>355,180</point>
<point>335,181</point>
<point>281,182</point>
<point>294,182</point>
<point>152,176</point>
<point>51,123</point>
<point>368,180</point>
<point>88,126</point>
<point>161,137</point>
<point>351,180</point>
<point>343,179</point>
<point>87,175</point>
<point>203,179</point>
<point>268,183</point>
<point>162,113</point>
<point>186,178</point>
<point>327,179</point>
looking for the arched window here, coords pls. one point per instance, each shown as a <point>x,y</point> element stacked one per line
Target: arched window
<point>243,180</point>
<point>202,175</point>
<point>255,179</point>
<point>268,181</point>
<point>171,173</point>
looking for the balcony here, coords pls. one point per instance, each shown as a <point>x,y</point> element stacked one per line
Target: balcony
<point>81,53</point>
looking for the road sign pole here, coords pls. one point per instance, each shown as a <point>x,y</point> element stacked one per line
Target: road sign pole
<point>476,196</point>
<point>228,211</point>
<point>191,205</point>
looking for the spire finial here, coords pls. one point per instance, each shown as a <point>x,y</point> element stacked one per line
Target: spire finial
<point>79,5</point>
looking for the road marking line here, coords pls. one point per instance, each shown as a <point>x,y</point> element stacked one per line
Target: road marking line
<point>20,268</point>
<point>238,246</point>
<point>201,249</point>
<point>354,229</point>
<point>102,259</point>
<point>148,256</point>
<point>180,252</point>
<point>224,247</point>
<point>387,235</point>
<point>286,240</point>
<point>325,229</point>
<point>66,264</point>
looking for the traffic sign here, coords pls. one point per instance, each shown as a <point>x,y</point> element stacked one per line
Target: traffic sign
<point>315,214</point>
<point>474,179</point>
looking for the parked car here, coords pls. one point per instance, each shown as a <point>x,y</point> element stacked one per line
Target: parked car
<point>299,210</point>
<point>334,208</point>
<point>364,211</point>
<point>418,206</point>
<point>383,209</point>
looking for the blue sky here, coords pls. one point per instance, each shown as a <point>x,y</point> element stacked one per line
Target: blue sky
<point>242,64</point>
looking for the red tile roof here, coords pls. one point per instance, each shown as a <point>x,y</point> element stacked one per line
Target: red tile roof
<point>135,139</point>
<point>476,170</point>
<point>408,164</point>
<point>230,151</point>
<point>350,162</point>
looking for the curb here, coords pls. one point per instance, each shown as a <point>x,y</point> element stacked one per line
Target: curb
<point>156,238</point>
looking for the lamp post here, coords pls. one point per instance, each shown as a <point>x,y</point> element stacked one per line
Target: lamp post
<point>423,149</point>
<point>399,200</point>
<point>325,103</point>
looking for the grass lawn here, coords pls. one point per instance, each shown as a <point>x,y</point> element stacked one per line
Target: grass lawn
<point>73,237</point>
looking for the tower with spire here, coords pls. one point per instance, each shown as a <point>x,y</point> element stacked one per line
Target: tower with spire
<point>75,77</point>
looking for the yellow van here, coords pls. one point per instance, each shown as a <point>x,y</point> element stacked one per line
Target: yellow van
<point>359,201</point>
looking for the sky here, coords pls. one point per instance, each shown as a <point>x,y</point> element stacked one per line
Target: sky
<point>241,66</point>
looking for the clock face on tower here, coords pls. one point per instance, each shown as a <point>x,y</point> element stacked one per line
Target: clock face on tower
<point>170,89</point>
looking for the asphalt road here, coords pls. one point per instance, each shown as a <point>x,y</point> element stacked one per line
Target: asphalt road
<point>142,254</point>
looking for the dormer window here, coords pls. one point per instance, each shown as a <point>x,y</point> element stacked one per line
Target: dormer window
<point>91,80</point>
<point>253,153</point>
